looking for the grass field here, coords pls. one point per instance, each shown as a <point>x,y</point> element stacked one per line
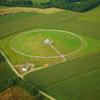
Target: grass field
<point>31,43</point>
<point>75,79</point>
<point>69,21</point>
<point>90,45</point>
<point>30,22</point>
<point>12,17</point>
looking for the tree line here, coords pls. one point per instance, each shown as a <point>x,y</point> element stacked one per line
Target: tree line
<point>7,77</point>
<point>76,5</point>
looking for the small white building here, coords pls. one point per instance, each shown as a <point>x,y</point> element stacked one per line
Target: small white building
<point>47,42</point>
<point>25,68</point>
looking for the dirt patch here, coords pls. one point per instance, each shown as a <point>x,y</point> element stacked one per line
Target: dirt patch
<point>27,68</point>
<point>15,93</point>
<point>13,10</point>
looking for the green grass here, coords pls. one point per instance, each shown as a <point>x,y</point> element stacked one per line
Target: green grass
<point>31,43</point>
<point>78,77</point>
<point>40,1</point>
<point>71,80</point>
<point>92,16</point>
<point>13,17</point>
<point>32,22</point>
<point>66,20</point>
<point>90,46</point>
<point>7,76</point>
<point>84,87</point>
<point>14,57</point>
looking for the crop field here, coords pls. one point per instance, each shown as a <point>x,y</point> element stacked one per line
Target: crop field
<point>65,20</point>
<point>67,67</point>
<point>76,79</point>
<point>29,48</point>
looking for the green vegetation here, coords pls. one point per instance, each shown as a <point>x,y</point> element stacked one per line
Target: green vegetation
<point>32,89</point>
<point>14,57</point>
<point>7,76</point>
<point>78,78</point>
<point>13,17</point>
<point>81,23</point>
<point>31,43</point>
<point>40,1</point>
<point>76,5</point>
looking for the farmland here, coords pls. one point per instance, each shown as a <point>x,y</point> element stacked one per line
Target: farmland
<point>73,22</point>
<point>77,77</point>
<point>72,78</point>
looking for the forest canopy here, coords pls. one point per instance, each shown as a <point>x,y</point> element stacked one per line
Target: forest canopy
<point>75,5</point>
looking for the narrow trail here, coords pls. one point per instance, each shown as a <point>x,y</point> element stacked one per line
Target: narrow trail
<point>46,95</point>
<point>59,53</point>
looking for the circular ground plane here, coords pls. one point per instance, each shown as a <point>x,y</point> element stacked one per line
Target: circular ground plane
<point>47,43</point>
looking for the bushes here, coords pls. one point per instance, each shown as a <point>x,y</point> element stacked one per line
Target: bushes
<point>32,88</point>
<point>16,2</point>
<point>76,5</point>
<point>7,76</point>
<point>28,86</point>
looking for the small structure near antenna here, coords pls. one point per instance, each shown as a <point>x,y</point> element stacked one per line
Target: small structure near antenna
<point>47,42</point>
<point>25,68</point>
